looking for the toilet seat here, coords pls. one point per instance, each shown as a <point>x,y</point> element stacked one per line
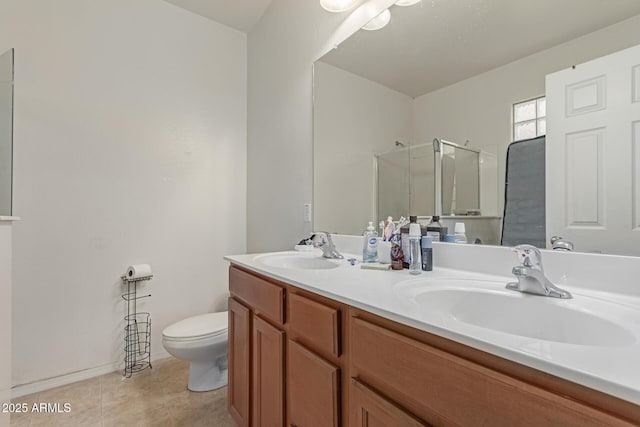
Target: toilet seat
<point>198,327</point>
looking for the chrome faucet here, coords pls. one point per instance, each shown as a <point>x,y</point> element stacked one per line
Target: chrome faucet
<point>561,244</point>
<point>530,275</point>
<point>322,240</point>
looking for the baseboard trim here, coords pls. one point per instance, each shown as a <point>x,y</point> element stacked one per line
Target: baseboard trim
<point>85,374</point>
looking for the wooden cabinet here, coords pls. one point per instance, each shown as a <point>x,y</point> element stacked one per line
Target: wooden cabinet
<point>268,374</point>
<point>313,389</point>
<point>370,409</point>
<point>239,363</point>
<point>260,355</point>
<point>302,360</point>
<point>448,390</point>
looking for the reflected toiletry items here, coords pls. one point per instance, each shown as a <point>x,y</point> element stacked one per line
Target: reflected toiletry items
<point>432,101</point>
<point>436,230</point>
<point>460,233</point>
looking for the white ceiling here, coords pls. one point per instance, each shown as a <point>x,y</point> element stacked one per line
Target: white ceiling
<point>439,42</point>
<point>239,14</point>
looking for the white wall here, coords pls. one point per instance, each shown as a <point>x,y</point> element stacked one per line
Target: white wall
<point>353,119</point>
<point>130,147</point>
<point>479,109</point>
<point>282,47</point>
<point>5,318</point>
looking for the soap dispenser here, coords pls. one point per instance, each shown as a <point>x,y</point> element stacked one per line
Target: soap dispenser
<point>370,247</point>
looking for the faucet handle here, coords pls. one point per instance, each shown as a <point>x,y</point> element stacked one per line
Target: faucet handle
<point>529,256</point>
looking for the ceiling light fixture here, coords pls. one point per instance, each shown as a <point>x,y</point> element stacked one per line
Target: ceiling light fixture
<point>379,21</point>
<point>407,2</point>
<point>337,5</point>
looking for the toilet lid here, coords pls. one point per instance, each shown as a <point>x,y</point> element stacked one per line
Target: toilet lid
<point>198,326</point>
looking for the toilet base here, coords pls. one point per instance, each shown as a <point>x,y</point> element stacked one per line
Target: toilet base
<point>206,376</point>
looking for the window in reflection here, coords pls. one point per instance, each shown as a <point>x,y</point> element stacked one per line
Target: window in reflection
<point>529,119</point>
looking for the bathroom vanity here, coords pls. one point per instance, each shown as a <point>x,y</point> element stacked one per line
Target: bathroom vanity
<point>322,343</point>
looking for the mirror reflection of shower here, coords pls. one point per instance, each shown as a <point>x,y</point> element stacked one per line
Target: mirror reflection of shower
<point>440,178</point>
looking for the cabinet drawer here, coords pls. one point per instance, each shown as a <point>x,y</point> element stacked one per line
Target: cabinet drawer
<point>368,409</point>
<point>264,297</point>
<point>445,389</point>
<point>314,324</point>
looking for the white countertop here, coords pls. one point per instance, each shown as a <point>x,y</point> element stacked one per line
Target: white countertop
<point>613,370</point>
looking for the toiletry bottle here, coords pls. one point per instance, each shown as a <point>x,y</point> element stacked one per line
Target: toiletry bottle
<point>404,237</point>
<point>460,236</point>
<point>370,248</point>
<point>436,230</point>
<point>427,253</point>
<point>415,264</point>
<point>397,256</point>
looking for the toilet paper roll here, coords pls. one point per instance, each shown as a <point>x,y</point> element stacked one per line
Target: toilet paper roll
<point>138,270</point>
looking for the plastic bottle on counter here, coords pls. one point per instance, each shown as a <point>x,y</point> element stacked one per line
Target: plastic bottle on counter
<point>404,239</point>
<point>370,247</point>
<point>427,253</point>
<point>415,263</point>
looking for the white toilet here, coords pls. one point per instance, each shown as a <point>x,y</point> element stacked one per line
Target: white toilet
<point>202,340</point>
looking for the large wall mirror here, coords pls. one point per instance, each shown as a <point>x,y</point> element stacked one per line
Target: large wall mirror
<point>6,132</point>
<point>475,73</point>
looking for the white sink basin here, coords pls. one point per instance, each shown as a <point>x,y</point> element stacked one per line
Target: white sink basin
<point>299,261</point>
<point>486,304</point>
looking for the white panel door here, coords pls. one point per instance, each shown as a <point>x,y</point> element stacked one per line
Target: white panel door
<point>593,154</point>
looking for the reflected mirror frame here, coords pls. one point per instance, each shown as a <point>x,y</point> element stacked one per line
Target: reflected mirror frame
<point>10,133</point>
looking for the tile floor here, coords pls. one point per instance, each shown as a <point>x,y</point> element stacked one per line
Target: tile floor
<point>156,397</point>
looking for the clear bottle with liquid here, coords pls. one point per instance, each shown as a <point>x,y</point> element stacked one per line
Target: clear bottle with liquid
<point>415,260</point>
<point>370,244</point>
<point>436,230</point>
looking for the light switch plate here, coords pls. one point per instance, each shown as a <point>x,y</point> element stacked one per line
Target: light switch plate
<point>307,212</point>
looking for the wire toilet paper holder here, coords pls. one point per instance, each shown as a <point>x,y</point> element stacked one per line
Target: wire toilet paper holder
<point>137,330</point>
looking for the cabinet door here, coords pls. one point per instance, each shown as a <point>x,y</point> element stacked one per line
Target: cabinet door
<point>268,374</point>
<point>312,389</point>
<point>239,362</point>
<point>369,409</point>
